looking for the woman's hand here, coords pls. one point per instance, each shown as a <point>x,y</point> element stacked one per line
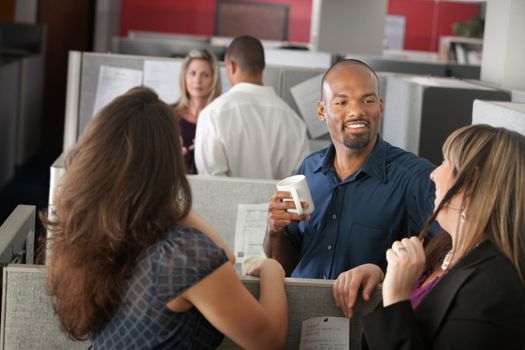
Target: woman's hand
<point>259,267</point>
<point>406,261</point>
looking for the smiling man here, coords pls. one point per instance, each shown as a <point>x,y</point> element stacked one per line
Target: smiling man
<point>367,193</point>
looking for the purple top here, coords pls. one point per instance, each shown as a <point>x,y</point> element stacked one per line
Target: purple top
<point>187,132</point>
<point>419,293</point>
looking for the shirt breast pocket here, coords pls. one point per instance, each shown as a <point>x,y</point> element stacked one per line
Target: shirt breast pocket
<point>368,245</point>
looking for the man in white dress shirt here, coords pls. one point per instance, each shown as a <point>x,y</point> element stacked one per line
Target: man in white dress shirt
<point>249,131</point>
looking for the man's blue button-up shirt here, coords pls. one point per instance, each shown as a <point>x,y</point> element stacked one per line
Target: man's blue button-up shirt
<point>356,220</point>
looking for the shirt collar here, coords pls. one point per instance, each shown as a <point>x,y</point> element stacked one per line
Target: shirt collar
<point>251,88</point>
<point>375,164</point>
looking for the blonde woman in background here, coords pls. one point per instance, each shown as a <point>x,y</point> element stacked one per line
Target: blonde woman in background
<point>200,84</point>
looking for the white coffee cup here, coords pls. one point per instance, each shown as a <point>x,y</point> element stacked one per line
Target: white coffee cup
<point>298,187</point>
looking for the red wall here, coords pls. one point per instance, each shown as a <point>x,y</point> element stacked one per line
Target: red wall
<point>198,16</point>
<point>426,20</point>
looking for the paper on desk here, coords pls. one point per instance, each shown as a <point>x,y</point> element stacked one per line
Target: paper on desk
<point>306,95</point>
<point>113,82</point>
<point>163,77</point>
<point>325,333</point>
<point>250,230</point>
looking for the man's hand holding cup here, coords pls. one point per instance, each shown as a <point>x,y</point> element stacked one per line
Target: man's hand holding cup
<point>290,204</point>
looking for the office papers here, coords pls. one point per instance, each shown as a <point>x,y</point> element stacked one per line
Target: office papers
<point>325,333</point>
<point>113,82</point>
<point>306,95</point>
<point>163,77</point>
<point>250,229</point>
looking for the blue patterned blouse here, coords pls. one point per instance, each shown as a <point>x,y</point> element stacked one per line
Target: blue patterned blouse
<point>168,268</point>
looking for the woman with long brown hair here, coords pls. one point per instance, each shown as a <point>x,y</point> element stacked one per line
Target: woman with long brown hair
<point>131,265</point>
<point>468,290</point>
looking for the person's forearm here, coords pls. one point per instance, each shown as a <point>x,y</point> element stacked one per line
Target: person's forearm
<point>272,297</point>
<point>278,246</point>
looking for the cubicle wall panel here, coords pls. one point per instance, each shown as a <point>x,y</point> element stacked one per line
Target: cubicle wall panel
<point>91,64</point>
<point>292,76</point>
<point>217,199</point>
<point>17,236</point>
<point>309,298</point>
<point>28,320</point>
<point>402,115</point>
<point>166,47</point>
<point>298,58</point>
<point>463,71</point>
<point>446,110</point>
<point>272,77</point>
<point>518,96</point>
<point>508,115</point>
<point>397,66</point>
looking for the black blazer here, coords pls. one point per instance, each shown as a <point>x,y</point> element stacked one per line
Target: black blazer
<point>478,304</point>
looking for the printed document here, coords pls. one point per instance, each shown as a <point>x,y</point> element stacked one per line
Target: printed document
<point>306,95</point>
<point>250,230</point>
<point>113,82</point>
<point>163,77</point>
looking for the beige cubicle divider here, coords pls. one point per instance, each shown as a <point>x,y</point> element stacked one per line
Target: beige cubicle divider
<point>508,115</point>
<point>29,322</point>
<point>217,199</point>
<point>84,71</point>
<point>422,111</point>
<point>309,298</point>
<point>17,236</point>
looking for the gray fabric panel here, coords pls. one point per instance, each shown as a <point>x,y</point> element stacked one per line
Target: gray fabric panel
<point>292,76</point>
<point>217,198</point>
<point>17,233</point>
<point>30,322</point>
<point>509,115</point>
<point>311,298</point>
<point>272,77</point>
<point>91,63</point>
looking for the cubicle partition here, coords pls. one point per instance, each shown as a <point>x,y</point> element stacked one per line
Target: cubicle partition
<point>510,115</point>
<point>163,47</point>
<point>84,73</point>
<point>29,322</point>
<point>217,199</point>
<point>422,111</point>
<point>17,236</point>
<point>382,64</point>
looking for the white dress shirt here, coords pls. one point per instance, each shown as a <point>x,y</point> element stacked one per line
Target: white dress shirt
<point>250,132</point>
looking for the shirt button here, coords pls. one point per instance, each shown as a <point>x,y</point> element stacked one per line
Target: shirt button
<point>334,216</point>
<point>330,247</point>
